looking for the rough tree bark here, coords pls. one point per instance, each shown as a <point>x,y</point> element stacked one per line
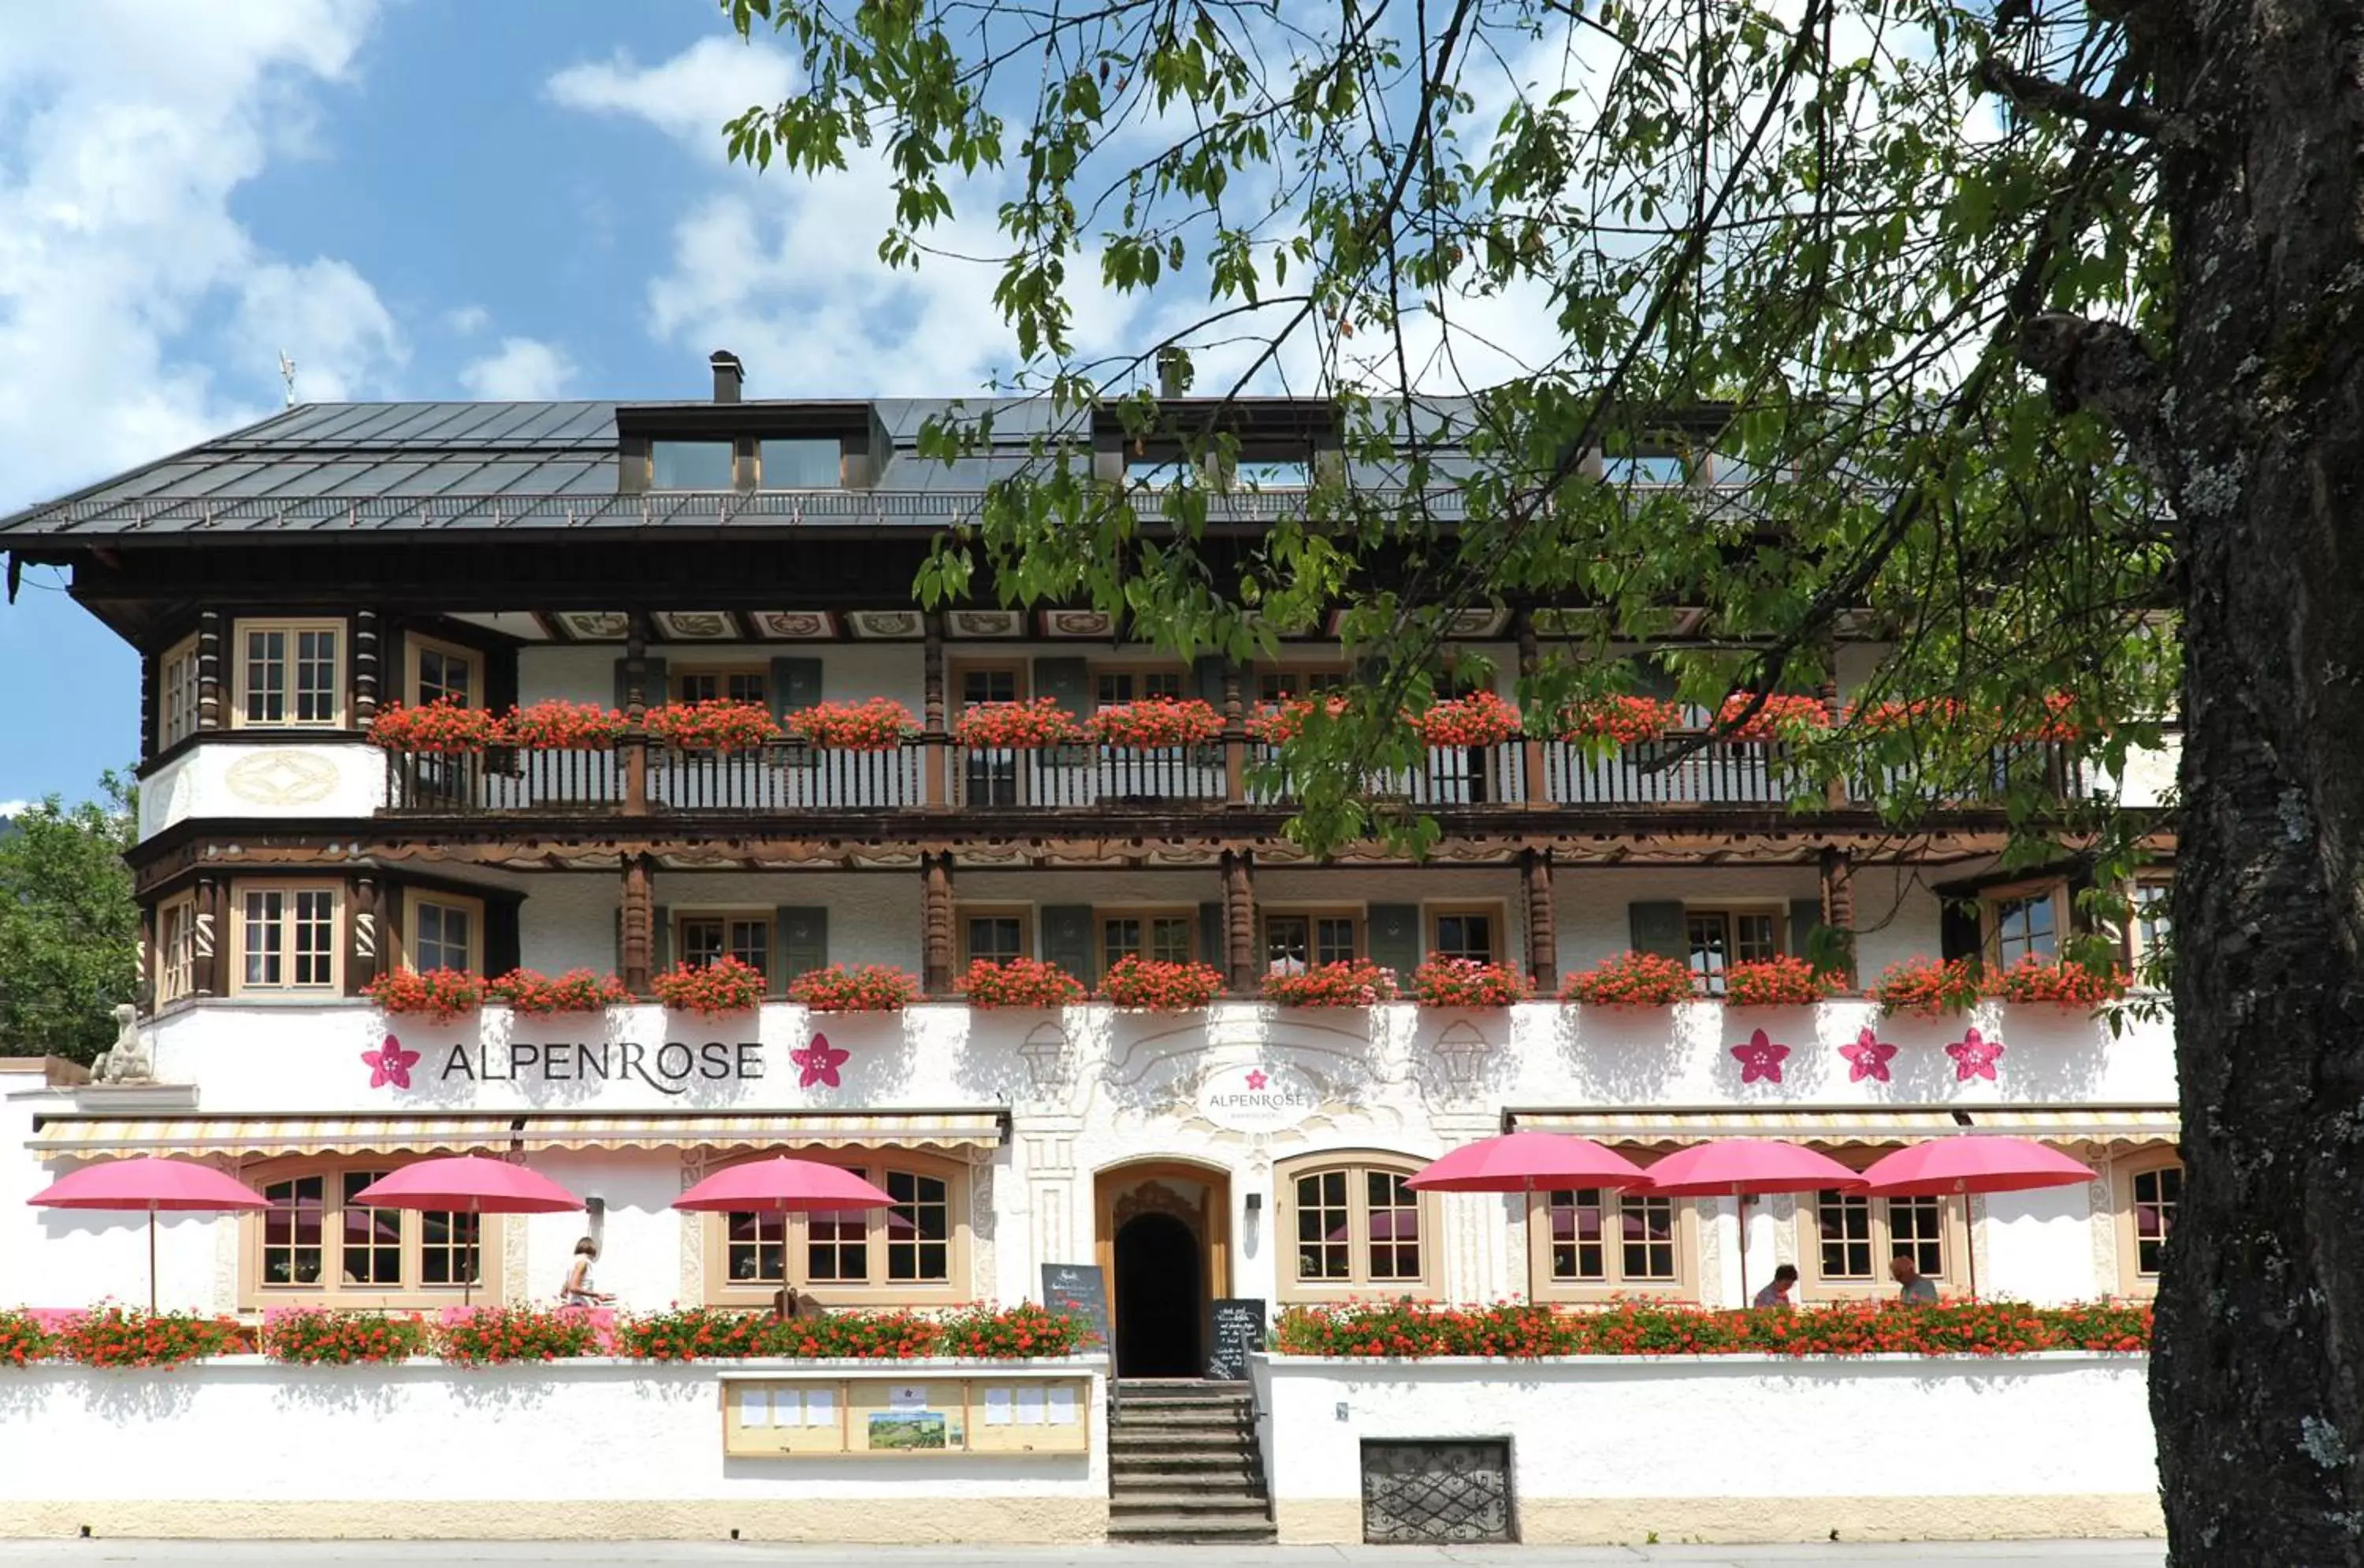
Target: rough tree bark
<point>2257,1381</point>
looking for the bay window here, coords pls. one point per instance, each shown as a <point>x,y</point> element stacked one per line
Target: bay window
<point>290,674</point>
<point>285,937</point>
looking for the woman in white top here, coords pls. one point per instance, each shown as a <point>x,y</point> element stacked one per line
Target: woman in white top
<point>578,1290</point>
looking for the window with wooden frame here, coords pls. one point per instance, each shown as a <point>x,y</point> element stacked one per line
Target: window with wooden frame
<point>720,683</point>
<point>285,937</point>
<point>1466,931</point>
<point>1591,1243</point>
<point>1350,1227</point>
<point>444,671</point>
<point>1847,1240</point>
<point>1719,939</point>
<point>176,949</point>
<point>443,930</point>
<point>1114,683</point>
<point>914,1252</point>
<point>2146,1191</point>
<point>177,695</point>
<point>995,935</point>
<point>704,938</point>
<point>1166,936</point>
<point>1295,940</point>
<point>976,684</point>
<point>2022,922</point>
<point>290,674</point>
<point>1280,683</point>
<point>317,1246</point>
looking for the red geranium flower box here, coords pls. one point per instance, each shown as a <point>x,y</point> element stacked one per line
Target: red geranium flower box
<point>1017,726</point>
<point>1157,723</point>
<point>439,995</point>
<point>1778,982</point>
<point>1020,983</point>
<point>2059,983</point>
<point>540,995</point>
<point>557,724</point>
<point>713,725</point>
<point>1627,720</point>
<point>715,991</point>
<point>880,725</point>
<point>1926,987</point>
<point>1481,719</point>
<point>865,988</point>
<point>1632,980</point>
<point>1780,717</point>
<point>1146,985</point>
<point>1465,982</point>
<point>1355,983</point>
<point>441,726</point>
<point>1280,725</point>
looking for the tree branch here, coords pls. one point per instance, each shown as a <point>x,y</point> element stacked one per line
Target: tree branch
<point>2105,366</point>
<point>2041,93</point>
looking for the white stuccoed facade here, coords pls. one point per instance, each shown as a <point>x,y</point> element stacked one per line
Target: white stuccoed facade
<point>1084,1091</point>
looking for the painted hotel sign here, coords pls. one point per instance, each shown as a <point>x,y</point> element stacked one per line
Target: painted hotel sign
<point>670,1069</point>
<point>1259,1097</point>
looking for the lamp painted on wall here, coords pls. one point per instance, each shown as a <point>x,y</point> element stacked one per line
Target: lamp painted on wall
<point>1463,1052</point>
<point>1049,1067</point>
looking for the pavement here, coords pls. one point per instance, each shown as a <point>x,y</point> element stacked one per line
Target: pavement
<point>635,1554</point>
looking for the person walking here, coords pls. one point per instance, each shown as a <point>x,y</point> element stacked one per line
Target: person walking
<point>579,1290</point>
<point>1776,1294</point>
<point>1914,1290</point>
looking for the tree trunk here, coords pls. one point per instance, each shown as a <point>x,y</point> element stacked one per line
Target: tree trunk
<point>2257,1381</point>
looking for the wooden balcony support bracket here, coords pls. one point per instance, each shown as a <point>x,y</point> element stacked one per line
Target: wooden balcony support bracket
<point>366,661</point>
<point>1543,924</point>
<point>640,923</point>
<point>936,923</point>
<point>1239,922</point>
<point>1530,662</point>
<point>1837,866</point>
<point>364,960</point>
<point>209,671</point>
<point>937,754</point>
<point>1235,737</point>
<point>635,743</point>
<point>208,973</point>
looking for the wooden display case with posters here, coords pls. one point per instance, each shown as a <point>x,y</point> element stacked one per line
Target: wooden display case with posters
<point>773,1415</point>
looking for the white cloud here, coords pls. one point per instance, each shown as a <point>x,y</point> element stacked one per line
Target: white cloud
<point>521,370</point>
<point>468,320</point>
<point>687,96</point>
<point>128,128</point>
<point>14,807</point>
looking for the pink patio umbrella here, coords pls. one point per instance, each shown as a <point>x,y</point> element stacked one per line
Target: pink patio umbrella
<point>1745,1167</point>
<point>1527,1162</point>
<point>784,1185</point>
<point>1972,1162</point>
<point>154,1184</point>
<point>470,1185</point>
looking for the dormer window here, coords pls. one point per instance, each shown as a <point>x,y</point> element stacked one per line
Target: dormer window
<point>799,463</point>
<point>690,465</point>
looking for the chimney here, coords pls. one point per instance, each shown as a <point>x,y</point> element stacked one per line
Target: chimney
<point>730,375</point>
<point>1173,372</point>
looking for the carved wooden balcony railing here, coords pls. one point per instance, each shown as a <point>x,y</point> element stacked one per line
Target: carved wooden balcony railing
<point>637,777</point>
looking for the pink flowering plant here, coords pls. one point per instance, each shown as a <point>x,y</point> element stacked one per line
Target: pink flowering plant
<point>1356,982</point>
<point>1152,985</point>
<point>861,988</point>
<point>1019,982</point>
<point>1466,983</point>
<point>314,1335</point>
<point>1778,982</point>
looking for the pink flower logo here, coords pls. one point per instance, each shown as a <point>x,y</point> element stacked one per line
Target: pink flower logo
<point>389,1063</point>
<point>1256,1079</point>
<point>1760,1058</point>
<point>1974,1057</point>
<point>1867,1057</point>
<point>819,1062</point>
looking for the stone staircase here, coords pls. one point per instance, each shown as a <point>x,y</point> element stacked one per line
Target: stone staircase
<point>1184,1467</point>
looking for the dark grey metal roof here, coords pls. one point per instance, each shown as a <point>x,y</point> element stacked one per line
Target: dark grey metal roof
<point>321,470</point>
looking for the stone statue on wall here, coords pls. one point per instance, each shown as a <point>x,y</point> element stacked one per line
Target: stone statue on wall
<point>127,1061</point>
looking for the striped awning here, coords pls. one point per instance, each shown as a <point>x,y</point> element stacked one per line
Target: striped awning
<point>2132,1124</point>
<point>65,1135</point>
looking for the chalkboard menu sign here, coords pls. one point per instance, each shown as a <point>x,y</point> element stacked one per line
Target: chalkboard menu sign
<point>1235,1333</point>
<point>1080,1289</point>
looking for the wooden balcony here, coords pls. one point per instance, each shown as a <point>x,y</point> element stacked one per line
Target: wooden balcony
<point>638,778</point>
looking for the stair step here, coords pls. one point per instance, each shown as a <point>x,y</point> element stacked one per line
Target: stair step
<point>1146,1439</point>
<point>1195,1503</point>
<point>1197,1462</point>
<point>1185,1530</point>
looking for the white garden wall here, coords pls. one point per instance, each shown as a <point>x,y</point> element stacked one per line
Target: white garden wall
<point>1736,1448</point>
<point>240,1448</point>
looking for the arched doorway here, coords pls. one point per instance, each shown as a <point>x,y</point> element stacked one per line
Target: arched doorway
<point>1163,1238</point>
<point>1159,1291</point>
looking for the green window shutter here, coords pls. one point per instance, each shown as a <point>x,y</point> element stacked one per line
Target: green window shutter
<point>502,939</point>
<point>1805,919</point>
<point>1211,946</point>
<point>1067,680</point>
<point>801,933</point>
<point>1958,933</point>
<point>1391,932</point>
<point>795,683</point>
<point>1068,939</point>
<point>660,939</point>
<point>1207,676</point>
<point>652,683</point>
<point>1657,926</point>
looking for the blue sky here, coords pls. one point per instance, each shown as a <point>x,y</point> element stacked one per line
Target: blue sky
<point>413,198</point>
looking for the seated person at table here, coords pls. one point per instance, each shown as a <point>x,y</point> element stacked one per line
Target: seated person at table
<point>791,1302</point>
<point>1915,1291</point>
<point>1785,1280</point>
